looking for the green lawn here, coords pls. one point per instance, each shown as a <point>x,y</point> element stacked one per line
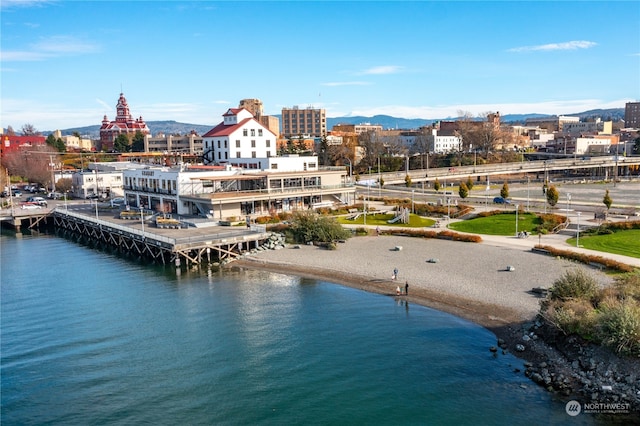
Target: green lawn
<point>499,224</point>
<point>626,243</point>
<point>381,219</point>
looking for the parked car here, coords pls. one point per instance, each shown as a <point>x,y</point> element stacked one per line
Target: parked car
<point>55,196</point>
<point>30,206</point>
<point>117,202</point>
<point>501,200</point>
<point>37,200</point>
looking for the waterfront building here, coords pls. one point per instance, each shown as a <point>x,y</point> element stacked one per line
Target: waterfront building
<point>239,139</point>
<point>307,122</point>
<point>123,124</point>
<point>96,183</point>
<point>227,192</point>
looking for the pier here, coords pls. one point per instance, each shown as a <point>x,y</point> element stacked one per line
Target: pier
<point>190,245</point>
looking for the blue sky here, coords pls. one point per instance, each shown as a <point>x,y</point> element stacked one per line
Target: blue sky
<point>64,63</point>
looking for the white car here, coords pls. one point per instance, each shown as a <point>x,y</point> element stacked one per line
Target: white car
<point>30,206</point>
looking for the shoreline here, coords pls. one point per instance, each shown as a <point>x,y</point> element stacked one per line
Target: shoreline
<point>471,281</point>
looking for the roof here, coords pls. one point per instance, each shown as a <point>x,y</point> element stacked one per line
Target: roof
<point>227,129</point>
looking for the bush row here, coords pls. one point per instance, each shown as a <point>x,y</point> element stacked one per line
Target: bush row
<point>588,259</point>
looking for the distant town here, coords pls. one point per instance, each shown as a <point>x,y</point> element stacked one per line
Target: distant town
<point>251,163</point>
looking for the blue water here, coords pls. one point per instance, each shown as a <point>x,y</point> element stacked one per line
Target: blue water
<point>90,338</point>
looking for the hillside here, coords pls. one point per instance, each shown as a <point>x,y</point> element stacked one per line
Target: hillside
<point>386,121</point>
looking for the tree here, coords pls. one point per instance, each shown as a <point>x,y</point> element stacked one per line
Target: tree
<point>122,143</point>
<point>32,165</point>
<point>56,143</point>
<point>607,201</point>
<point>552,195</point>
<point>309,226</point>
<point>137,143</point>
<point>29,130</point>
<point>463,191</point>
<point>504,192</point>
<point>436,185</point>
<point>469,183</point>
<point>407,181</point>
<point>64,185</point>
<point>636,146</point>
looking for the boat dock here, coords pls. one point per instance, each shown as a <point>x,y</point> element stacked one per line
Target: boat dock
<point>186,245</point>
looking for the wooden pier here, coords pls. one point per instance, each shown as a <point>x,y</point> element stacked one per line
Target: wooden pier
<point>167,246</point>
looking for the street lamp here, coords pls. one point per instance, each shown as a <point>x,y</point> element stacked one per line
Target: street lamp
<point>568,201</point>
<point>578,233</point>
<point>142,218</point>
<point>379,178</point>
<point>412,193</point>
<point>517,220</point>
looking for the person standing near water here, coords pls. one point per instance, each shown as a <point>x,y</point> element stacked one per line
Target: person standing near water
<point>397,290</point>
<point>395,274</point>
<point>406,288</point>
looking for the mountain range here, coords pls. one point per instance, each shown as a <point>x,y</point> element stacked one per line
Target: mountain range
<point>171,127</point>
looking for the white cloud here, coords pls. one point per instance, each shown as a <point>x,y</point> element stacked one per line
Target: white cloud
<point>6,4</point>
<point>51,47</point>
<point>569,45</point>
<point>383,69</point>
<point>346,83</point>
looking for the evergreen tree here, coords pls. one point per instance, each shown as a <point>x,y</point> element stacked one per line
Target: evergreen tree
<point>552,196</point>
<point>504,192</point>
<point>469,183</point>
<point>436,185</point>
<point>122,143</point>
<point>607,201</point>
<point>463,191</point>
<point>407,181</point>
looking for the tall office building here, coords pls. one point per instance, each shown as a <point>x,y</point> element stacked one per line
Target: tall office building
<point>306,122</point>
<point>632,115</point>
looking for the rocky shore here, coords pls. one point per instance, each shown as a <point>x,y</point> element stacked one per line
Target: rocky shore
<point>491,285</point>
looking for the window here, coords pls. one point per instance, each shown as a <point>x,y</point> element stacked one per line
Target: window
<point>253,132</point>
<point>253,144</point>
<point>237,143</point>
<point>268,143</point>
<point>259,132</point>
<point>218,143</point>
<point>245,132</point>
<point>253,154</point>
<point>238,154</point>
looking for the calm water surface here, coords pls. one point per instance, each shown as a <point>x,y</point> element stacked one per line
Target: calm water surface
<point>90,338</point>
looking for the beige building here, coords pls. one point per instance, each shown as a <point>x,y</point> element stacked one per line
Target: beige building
<point>255,107</point>
<point>307,122</point>
<point>357,128</point>
<point>187,144</point>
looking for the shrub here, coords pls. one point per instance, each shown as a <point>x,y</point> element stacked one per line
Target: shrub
<point>620,326</point>
<point>576,316</point>
<point>575,284</point>
<point>312,227</point>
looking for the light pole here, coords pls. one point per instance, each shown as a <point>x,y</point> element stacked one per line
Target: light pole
<point>142,218</point>
<point>568,200</point>
<point>578,233</point>
<point>412,193</point>
<point>517,220</point>
<point>527,192</point>
<point>379,178</point>
<point>65,200</point>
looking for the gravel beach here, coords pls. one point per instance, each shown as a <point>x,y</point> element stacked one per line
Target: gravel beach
<point>470,280</point>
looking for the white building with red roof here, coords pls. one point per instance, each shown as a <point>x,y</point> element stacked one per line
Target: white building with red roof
<point>241,141</point>
<point>124,123</point>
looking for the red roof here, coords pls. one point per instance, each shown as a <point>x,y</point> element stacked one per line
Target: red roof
<point>226,129</point>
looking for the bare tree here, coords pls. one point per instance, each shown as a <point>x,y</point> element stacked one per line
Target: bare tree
<point>33,164</point>
<point>29,130</point>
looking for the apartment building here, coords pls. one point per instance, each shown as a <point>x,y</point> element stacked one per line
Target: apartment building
<point>307,122</point>
<point>632,115</point>
<point>187,144</point>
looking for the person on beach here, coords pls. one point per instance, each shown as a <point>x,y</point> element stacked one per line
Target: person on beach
<point>406,288</point>
<point>378,231</point>
<point>398,291</point>
<point>395,274</point>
